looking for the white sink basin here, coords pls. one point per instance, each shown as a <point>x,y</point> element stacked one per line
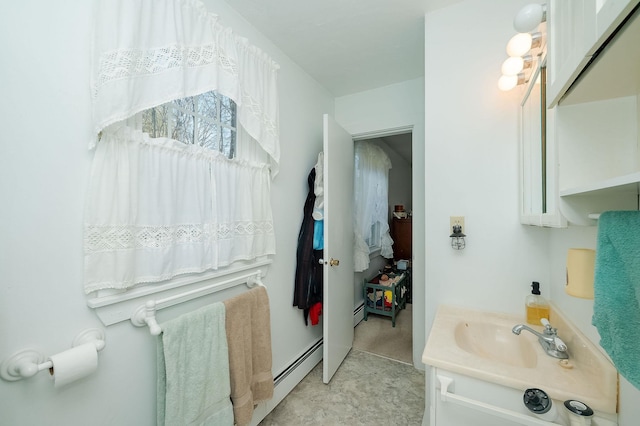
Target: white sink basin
<point>481,344</point>
<point>495,342</point>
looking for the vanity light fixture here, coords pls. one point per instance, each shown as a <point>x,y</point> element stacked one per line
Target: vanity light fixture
<point>519,59</point>
<point>529,17</point>
<point>522,43</point>
<point>516,68</point>
<point>515,64</point>
<point>457,238</point>
<point>508,82</point>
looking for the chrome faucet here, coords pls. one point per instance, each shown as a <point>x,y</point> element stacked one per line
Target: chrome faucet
<point>549,339</point>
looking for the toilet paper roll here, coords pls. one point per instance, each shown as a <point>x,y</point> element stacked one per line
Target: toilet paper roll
<point>580,265</point>
<point>74,364</point>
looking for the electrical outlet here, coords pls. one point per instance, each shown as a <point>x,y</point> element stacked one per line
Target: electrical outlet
<point>456,220</point>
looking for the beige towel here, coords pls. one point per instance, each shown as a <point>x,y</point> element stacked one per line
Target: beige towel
<point>248,325</point>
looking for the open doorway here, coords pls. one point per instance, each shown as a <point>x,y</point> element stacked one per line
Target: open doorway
<point>377,334</point>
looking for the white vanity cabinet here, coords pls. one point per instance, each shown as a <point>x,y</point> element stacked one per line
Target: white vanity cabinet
<point>470,401</point>
<point>489,400</point>
<point>596,120</point>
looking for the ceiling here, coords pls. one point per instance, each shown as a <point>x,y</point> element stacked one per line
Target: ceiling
<point>348,46</point>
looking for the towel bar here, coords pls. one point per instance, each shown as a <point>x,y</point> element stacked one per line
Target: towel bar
<point>145,315</point>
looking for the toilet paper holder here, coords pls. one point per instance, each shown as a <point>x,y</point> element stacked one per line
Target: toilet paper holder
<point>28,362</point>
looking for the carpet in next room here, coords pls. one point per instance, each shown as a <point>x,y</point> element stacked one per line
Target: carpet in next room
<point>377,336</point>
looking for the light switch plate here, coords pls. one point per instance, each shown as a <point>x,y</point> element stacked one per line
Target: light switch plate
<point>456,220</point>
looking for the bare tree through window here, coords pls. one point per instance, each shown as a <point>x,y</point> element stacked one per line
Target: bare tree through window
<point>208,120</point>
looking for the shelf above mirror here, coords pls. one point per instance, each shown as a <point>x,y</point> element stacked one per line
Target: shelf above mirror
<point>627,183</point>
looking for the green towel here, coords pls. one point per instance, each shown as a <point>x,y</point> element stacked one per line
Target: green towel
<point>193,370</point>
<point>616,307</point>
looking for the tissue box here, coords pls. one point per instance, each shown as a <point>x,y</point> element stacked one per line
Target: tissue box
<point>402,265</point>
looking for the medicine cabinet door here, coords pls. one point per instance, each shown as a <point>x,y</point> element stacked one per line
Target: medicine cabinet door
<point>538,158</point>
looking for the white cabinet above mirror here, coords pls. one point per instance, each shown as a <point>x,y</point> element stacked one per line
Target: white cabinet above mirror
<point>571,32</point>
<point>577,30</point>
<point>597,120</point>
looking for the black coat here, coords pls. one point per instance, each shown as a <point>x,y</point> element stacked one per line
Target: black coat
<point>308,279</point>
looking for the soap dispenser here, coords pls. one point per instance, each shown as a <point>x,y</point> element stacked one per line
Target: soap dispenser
<point>536,306</point>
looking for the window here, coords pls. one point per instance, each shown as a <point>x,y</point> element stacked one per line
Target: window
<point>208,120</point>
<point>371,187</point>
<point>374,239</point>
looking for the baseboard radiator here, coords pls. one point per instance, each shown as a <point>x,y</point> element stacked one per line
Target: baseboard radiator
<point>358,314</point>
<point>299,361</point>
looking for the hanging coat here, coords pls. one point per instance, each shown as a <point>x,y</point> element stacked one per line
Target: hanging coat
<point>308,278</point>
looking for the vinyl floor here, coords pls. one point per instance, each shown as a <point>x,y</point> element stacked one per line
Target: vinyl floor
<point>367,389</point>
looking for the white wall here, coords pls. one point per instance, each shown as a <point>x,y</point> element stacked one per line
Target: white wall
<point>391,107</point>
<point>44,164</point>
<point>471,164</point>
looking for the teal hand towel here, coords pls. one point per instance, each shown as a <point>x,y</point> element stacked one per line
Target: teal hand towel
<point>616,307</point>
<point>193,370</point>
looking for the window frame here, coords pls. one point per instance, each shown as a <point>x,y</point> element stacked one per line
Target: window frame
<point>374,241</point>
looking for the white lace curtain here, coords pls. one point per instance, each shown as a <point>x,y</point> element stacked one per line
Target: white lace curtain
<point>156,207</point>
<point>372,201</point>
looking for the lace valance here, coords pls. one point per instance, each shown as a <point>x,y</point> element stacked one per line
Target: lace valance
<point>148,52</point>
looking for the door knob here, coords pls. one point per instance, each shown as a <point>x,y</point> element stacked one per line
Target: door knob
<point>332,262</point>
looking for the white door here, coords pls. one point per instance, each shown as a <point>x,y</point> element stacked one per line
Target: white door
<point>338,297</point>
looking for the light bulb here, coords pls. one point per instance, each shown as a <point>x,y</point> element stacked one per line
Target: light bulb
<point>519,44</point>
<point>512,65</point>
<point>529,17</point>
<point>507,82</point>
